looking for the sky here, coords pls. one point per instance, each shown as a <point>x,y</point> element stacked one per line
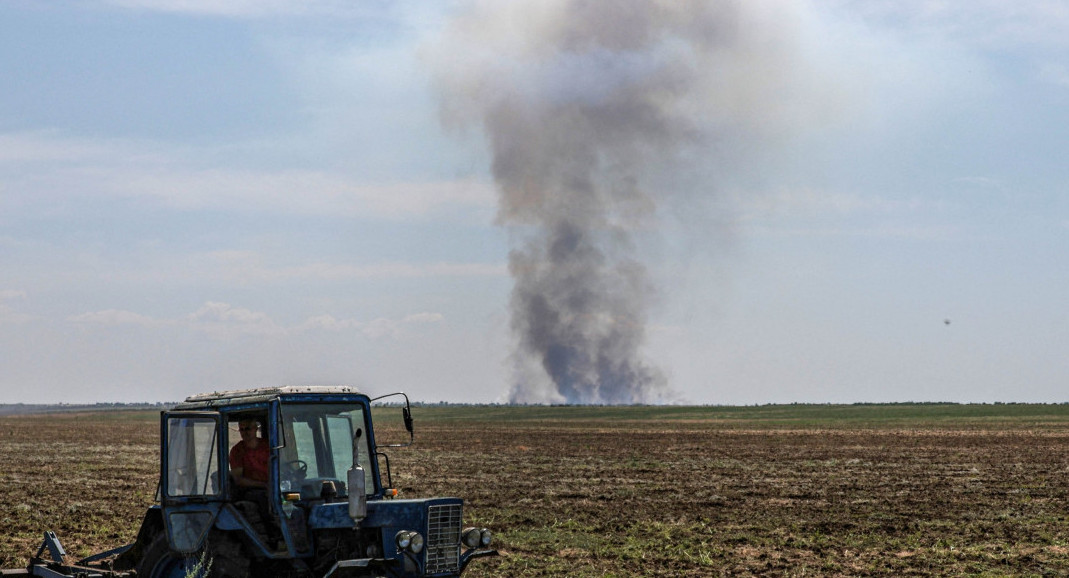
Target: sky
<point>199,196</point>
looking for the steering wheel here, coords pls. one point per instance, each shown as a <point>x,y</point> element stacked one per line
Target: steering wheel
<point>299,467</point>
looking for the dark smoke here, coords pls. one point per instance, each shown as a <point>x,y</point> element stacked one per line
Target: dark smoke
<point>586,105</point>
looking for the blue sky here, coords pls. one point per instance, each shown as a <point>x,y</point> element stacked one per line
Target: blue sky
<point>196,198</point>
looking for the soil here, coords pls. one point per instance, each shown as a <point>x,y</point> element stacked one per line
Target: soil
<point>632,498</point>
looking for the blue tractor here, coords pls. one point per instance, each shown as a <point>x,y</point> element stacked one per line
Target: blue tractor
<point>325,511</point>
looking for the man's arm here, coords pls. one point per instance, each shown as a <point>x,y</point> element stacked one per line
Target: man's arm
<point>242,481</point>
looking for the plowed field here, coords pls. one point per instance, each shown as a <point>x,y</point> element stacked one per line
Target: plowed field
<point>776,491</point>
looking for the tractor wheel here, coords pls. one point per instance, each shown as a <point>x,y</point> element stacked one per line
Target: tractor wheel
<point>220,558</point>
<point>228,559</point>
<point>158,561</point>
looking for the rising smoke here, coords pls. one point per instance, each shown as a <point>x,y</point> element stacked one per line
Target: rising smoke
<point>587,106</point>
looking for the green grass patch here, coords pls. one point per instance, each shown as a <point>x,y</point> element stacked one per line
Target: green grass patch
<point>761,416</point>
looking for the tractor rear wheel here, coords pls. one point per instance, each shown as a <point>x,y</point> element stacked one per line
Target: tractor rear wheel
<point>159,561</point>
<point>219,558</point>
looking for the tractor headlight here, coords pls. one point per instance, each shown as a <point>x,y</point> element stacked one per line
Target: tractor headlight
<point>408,541</point>
<point>475,537</point>
<point>417,543</point>
<point>472,537</point>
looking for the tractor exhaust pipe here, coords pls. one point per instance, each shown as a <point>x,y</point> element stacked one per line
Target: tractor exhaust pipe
<point>357,483</point>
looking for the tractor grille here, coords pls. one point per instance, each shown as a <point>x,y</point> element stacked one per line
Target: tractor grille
<point>443,538</point>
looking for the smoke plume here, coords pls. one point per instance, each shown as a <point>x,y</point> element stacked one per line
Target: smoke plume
<point>586,107</point>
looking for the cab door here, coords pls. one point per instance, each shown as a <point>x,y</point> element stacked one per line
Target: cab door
<point>191,484</point>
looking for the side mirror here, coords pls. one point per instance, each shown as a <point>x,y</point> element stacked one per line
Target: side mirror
<point>407,413</point>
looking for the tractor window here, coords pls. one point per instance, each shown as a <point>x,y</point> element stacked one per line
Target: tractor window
<point>321,440</point>
<point>340,432</point>
<point>192,458</point>
<point>304,439</point>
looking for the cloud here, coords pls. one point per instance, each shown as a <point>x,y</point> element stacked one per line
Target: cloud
<point>221,321</point>
<point>382,327</point>
<point>8,315</point>
<point>424,318</point>
<point>1054,73</point>
<point>248,266</point>
<point>45,166</point>
<point>820,213</point>
<point>244,8</point>
<point>383,271</point>
<point>245,268</point>
<point>295,191</point>
<point>224,322</point>
<point>377,328</point>
<point>114,317</point>
<point>982,182</point>
<point>329,323</point>
<point>988,23</point>
<point>810,201</point>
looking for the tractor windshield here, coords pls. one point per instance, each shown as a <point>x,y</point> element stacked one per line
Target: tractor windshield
<point>318,448</point>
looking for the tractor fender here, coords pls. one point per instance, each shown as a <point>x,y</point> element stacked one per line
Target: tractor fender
<point>151,526</point>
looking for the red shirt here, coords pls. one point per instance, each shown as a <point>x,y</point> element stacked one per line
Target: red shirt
<point>252,461</point>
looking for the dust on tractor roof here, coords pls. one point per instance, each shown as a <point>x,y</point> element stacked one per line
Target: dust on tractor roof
<point>326,510</point>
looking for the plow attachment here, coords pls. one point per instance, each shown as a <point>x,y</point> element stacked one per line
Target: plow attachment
<point>96,566</point>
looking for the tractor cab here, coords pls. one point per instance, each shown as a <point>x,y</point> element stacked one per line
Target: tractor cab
<point>311,448</point>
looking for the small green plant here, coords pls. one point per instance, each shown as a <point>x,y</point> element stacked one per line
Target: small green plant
<point>202,568</point>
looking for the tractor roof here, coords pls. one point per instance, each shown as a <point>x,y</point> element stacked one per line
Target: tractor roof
<point>221,398</point>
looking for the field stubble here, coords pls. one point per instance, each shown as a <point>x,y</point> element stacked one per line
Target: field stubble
<point>626,497</point>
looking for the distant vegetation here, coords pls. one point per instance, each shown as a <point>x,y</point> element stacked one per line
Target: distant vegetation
<point>30,408</point>
<point>825,416</point>
<point>787,414</point>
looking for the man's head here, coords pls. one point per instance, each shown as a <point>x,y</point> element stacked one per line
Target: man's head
<point>248,428</point>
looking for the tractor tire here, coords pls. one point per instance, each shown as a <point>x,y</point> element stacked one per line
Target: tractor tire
<point>228,559</point>
<point>220,558</point>
<point>158,561</point>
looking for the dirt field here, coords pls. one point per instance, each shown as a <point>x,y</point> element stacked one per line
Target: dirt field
<point>777,491</point>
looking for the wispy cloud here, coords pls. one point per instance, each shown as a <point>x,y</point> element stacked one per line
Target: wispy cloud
<point>1055,73</point>
<point>46,166</point>
<point>113,317</point>
<point>376,328</point>
<point>248,266</point>
<point>7,313</point>
<point>243,267</point>
<point>224,322</point>
<point>298,192</point>
<point>815,202</point>
<point>244,8</point>
<point>983,182</point>
<point>991,23</point>
<point>815,212</point>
